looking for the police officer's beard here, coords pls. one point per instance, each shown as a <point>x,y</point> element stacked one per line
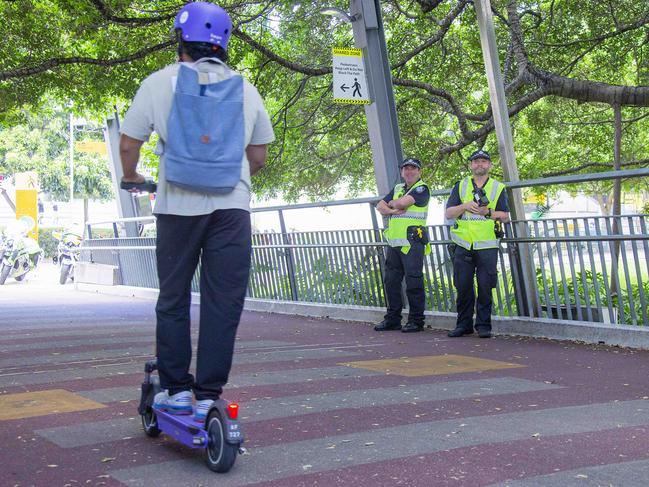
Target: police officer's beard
<point>481,171</point>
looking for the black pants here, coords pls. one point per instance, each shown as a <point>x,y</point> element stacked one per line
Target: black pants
<point>398,264</point>
<point>481,264</point>
<point>222,241</point>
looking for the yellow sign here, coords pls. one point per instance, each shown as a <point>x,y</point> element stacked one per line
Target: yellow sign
<point>91,146</point>
<point>349,83</point>
<point>27,198</point>
<point>535,199</point>
<point>26,180</point>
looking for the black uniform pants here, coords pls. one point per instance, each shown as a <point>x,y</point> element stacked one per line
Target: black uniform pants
<point>398,264</point>
<point>222,242</point>
<point>481,264</point>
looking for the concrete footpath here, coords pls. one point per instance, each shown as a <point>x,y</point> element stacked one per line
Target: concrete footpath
<point>323,402</point>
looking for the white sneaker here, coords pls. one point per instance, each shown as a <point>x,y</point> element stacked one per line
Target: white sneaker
<point>179,403</point>
<point>201,409</point>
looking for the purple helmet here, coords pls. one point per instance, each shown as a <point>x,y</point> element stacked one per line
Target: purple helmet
<point>204,22</point>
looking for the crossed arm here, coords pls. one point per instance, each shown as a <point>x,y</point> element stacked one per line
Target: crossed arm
<point>395,207</point>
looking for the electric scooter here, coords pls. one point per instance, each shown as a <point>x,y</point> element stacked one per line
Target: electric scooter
<point>220,436</point>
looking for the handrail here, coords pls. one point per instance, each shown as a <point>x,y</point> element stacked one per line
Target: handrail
<point>585,238</point>
<point>124,220</point>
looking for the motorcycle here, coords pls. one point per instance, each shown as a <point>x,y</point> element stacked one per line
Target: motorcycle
<point>20,253</point>
<point>67,252</point>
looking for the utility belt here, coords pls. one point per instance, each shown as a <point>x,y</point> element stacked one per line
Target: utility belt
<point>417,234</point>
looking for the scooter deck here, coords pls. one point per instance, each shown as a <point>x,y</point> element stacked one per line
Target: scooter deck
<point>183,428</point>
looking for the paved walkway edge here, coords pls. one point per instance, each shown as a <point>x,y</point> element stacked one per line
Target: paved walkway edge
<point>579,331</point>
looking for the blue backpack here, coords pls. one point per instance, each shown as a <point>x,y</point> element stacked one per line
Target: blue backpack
<point>204,149</point>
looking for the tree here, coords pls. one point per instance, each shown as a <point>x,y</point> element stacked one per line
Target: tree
<point>41,144</point>
<point>565,63</point>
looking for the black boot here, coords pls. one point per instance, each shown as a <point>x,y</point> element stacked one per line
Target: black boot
<point>484,333</point>
<point>386,325</point>
<point>412,327</point>
<point>458,332</point>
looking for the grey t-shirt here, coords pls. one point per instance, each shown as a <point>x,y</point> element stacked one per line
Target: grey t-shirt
<point>149,112</point>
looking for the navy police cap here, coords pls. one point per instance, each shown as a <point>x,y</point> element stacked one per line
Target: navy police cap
<point>480,154</point>
<point>411,161</point>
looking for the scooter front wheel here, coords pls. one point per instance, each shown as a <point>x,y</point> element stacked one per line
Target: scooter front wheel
<point>219,454</point>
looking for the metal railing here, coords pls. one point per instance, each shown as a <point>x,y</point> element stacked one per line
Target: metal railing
<point>577,274</point>
<point>587,268</point>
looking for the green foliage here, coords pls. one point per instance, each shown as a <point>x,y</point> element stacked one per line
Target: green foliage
<point>597,290</point>
<point>47,241</point>
<point>98,232</point>
<point>110,46</point>
<point>41,144</point>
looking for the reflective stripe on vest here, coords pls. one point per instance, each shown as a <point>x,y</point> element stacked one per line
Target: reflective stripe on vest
<point>476,231</point>
<point>412,214</point>
<point>397,232</point>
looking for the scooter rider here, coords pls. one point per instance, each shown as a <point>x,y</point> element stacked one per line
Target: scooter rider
<point>214,132</point>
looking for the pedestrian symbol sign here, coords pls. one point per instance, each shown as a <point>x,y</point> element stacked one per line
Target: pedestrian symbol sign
<point>350,85</point>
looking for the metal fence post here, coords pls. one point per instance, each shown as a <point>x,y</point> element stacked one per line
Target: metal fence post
<point>381,252</point>
<point>290,263</point>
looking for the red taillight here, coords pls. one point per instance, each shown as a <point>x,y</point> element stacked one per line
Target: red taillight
<point>233,410</point>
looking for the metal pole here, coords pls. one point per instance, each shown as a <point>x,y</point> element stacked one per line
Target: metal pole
<point>290,263</point>
<point>382,123</point>
<point>8,199</point>
<point>124,199</point>
<point>616,208</point>
<point>71,158</point>
<point>505,143</point>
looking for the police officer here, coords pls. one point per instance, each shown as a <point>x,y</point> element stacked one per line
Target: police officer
<point>406,207</point>
<point>199,218</point>
<point>476,203</point>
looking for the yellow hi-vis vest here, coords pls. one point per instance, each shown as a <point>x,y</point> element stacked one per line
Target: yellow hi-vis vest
<point>473,230</point>
<point>397,231</point>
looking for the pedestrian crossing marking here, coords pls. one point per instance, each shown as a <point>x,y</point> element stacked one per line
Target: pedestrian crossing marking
<point>41,403</point>
<point>431,365</point>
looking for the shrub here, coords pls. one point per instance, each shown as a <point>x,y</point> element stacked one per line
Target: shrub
<point>47,241</point>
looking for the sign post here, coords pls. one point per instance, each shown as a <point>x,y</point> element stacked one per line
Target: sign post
<point>381,113</point>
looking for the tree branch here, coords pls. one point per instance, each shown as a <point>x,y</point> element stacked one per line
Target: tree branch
<point>300,68</point>
<point>52,63</point>
<point>131,21</point>
<point>605,165</point>
<point>444,24</point>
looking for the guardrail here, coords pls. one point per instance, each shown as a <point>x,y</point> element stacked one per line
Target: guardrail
<point>578,276</point>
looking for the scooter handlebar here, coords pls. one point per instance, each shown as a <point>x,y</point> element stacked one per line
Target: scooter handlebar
<point>148,186</point>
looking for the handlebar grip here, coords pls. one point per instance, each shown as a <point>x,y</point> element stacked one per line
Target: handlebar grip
<point>148,186</point>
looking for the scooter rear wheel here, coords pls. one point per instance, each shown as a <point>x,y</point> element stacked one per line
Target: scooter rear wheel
<point>219,455</point>
<point>149,418</point>
<point>4,273</point>
<point>65,271</point>
<point>150,423</point>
